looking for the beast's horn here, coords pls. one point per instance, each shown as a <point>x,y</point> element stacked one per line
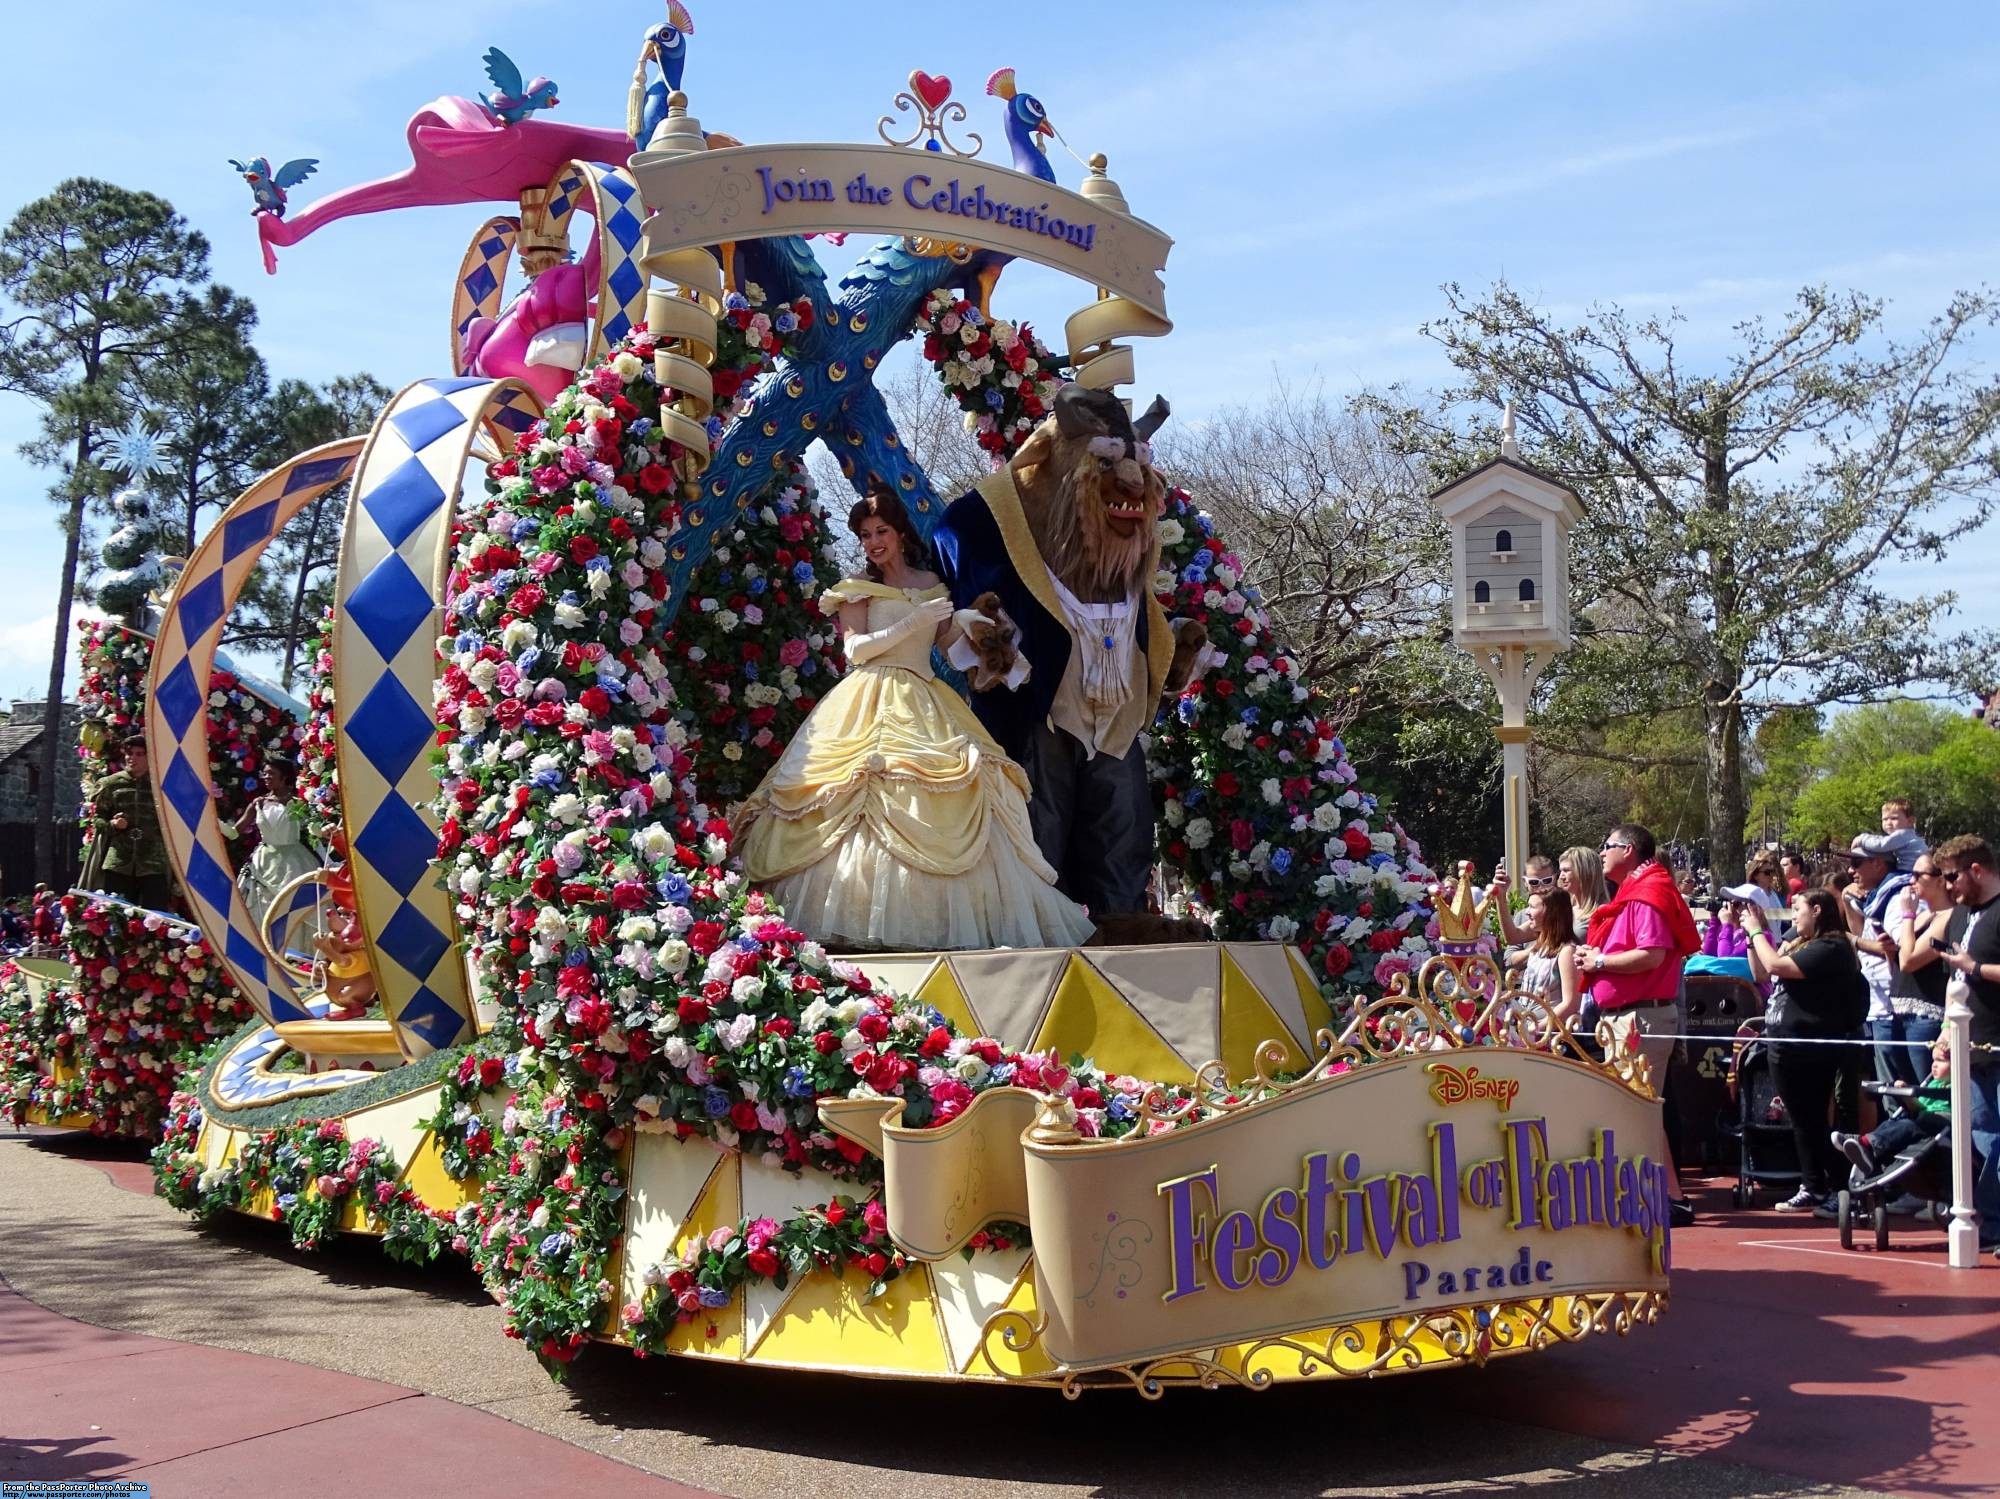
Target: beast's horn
<point>1078,413</point>
<point>1152,419</point>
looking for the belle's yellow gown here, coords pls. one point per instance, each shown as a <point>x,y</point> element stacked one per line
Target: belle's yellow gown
<point>892,820</point>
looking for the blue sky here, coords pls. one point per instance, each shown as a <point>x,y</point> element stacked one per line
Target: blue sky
<point>1322,167</point>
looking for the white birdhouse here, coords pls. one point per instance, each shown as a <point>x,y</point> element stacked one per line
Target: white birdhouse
<point>1510,528</point>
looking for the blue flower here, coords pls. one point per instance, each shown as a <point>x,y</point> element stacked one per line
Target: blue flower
<point>712,1298</point>
<point>675,888</point>
<point>1187,707</point>
<point>467,642</point>
<point>576,958</point>
<point>1002,1075</point>
<point>1250,715</point>
<point>757,586</point>
<point>746,943</point>
<point>1380,861</point>
<point>972,316</point>
<point>797,1084</point>
<point>524,528</point>
<point>569,596</point>
<point>808,667</point>
<point>546,780</point>
<point>715,1101</point>
<point>639,426</point>
<point>735,302</point>
<point>287,1201</point>
<point>554,1245</point>
<point>750,670</point>
<point>994,398</point>
<point>723,580</point>
<point>1118,1110</point>
<point>1281,860</point>
<point>785,322</point>
<point>529,659</point>
<point>598,565</point>
<point>802,571</point>
<point>1194,796</point>
<point>714,428</point>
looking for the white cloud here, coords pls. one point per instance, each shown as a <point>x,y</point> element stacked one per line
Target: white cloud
<point>24,654</point>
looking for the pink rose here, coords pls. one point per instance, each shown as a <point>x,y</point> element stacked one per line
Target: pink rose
<point>792,653</point>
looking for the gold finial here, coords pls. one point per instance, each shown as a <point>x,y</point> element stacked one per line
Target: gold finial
<point>1100,189</point>
<point>1099,162</point>
<point>680,133</point>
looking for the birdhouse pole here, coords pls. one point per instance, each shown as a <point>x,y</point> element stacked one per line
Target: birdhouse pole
<point>1510,527</point>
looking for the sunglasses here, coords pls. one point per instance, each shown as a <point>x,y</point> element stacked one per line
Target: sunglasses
<point>1610,843</point>
<point>1950,876</point>
<point>1540,881</point>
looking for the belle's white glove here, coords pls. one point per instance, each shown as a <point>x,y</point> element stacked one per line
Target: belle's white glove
<point>925,618</point>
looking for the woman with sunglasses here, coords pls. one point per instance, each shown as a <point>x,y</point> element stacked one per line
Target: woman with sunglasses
<point>1917,922</point>
<point>1540,880</point>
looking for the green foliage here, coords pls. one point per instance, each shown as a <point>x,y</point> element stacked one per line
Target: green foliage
<point>1948,766</point>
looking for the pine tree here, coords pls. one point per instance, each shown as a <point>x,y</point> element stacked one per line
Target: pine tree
<point>95,275</point>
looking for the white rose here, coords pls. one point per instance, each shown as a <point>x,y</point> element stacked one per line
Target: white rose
<point>1199,832</point>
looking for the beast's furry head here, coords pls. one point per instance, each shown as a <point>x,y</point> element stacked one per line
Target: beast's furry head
<point>1091,494</point>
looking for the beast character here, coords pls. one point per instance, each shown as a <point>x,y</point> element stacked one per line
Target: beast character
<point>1070,655</point>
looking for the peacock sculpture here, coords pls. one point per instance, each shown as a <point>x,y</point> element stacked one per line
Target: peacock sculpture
<point>1026,126</point>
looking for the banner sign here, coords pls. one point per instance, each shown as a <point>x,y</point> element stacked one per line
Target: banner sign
<point>1437,1180</point>
<point>749,192</point>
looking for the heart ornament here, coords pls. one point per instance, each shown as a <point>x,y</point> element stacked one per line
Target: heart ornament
<point>933,91</point>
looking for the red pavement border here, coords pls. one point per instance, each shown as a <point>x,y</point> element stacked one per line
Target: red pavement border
<point>85,1402</point>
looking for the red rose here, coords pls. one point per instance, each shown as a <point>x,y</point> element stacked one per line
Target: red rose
<point>693,1011</point>
<point>874,1026</point>
<point>835,1214</point>
<point>491,1070</point>
<point>877,1263</point>
<point>764,1262</point>
<point>1383,940</point>
<point>655,479</point>
<point>1226,784</point>
<point>1223,687</point>
<point>743,1114</point>
<point>582,548</point>
<point>826,1043</point>
<point>1337,960</point>
<point>704,937</point>
<point>935,1042</point>
<point>1358,846</point>
<point>596,701</point>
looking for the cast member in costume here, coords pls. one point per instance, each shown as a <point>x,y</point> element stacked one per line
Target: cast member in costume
<point>1066,539</point>
<point>268,829</point>
<point>128,857</point>
<point>892,820</point>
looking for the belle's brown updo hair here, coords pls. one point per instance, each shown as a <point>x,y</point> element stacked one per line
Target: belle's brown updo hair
<point>883,503</point>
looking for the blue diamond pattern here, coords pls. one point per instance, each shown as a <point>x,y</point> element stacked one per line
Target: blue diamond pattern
<point>243,952</point>
<point>423,425</point>
<point>481,284</point>
<point>625,282</point>
<point>624,228</point>
<point>184,791</point>
<point>409,496</point>
<point>430,1017</point>
<point>492,245</point>
<point>180,697</point>
<point>209,880</point>
<point>240,533</point>
<point>320,471</point>
<point>389,728</point>
<point>514,419</point>
<point>389,605</point>
<point>412,941</point>
<point>399,844</point>
<point>451,386</point>
<point>201,607</point>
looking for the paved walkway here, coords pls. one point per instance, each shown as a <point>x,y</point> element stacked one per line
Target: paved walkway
<point>1784,1367</point>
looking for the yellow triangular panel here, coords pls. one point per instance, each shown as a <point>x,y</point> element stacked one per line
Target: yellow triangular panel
<point>941,992</point>
<point>1090,1017</point>
<point>994,1352</point>
<point>425,1175</point>
<point>1247,1023</point>
<point>721,1202</point>
<point>1319,1015</point>
<point>827,1323</point>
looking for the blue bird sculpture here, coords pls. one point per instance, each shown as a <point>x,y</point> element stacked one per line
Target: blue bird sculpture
<point>511,102</point>
<point>665,44</point>
<point>1027,123</point>
<point>268,187</point>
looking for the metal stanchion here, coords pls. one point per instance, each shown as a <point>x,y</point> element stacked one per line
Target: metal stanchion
<point>1962,1243</point>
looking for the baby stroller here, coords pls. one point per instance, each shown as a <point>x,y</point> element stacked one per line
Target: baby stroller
<point>1762,1130</point>
<point>1922,1169</point>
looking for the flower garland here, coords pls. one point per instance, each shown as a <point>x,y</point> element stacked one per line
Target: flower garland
<point>148,994</point>
<point>35,1039</point>
<point>318,781</point>
<point>999,372</point>
<point>1258,804</point>
<point>751,651</point>
<point>312,1171</point>
<point>1258,800</point>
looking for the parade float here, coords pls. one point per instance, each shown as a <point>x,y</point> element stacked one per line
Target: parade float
<point>553,1028</point>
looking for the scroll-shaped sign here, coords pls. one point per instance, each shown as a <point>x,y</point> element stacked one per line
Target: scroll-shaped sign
<point>1457,1178</point>
<point>750,192</point>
